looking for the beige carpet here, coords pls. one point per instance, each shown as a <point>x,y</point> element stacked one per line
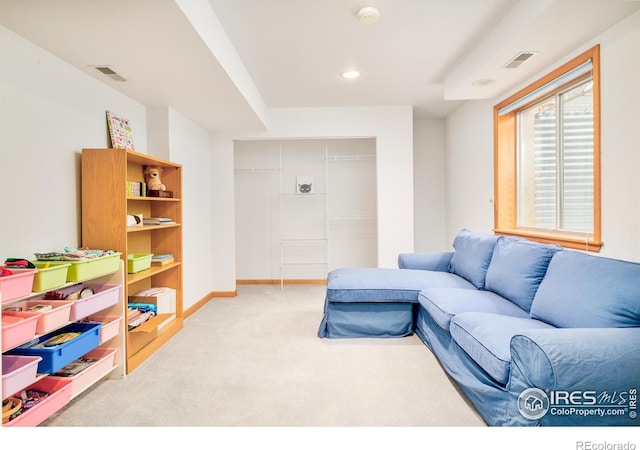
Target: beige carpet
<point>255,360</point>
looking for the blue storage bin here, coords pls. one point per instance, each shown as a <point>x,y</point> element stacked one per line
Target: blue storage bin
<point>56,357</point>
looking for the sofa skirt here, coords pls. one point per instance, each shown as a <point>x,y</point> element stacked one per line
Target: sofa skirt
<point>373,320</point>
<point>490,398</point>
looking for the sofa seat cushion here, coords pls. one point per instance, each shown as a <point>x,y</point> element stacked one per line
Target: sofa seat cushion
<point>581,290</point>
<point>517,268</point>
<point>472,256</point>
<point>443,304</point>
<point>486,338</point>
<point>350,285</point>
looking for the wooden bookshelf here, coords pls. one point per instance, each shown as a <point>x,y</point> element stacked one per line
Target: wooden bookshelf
<point>105,206</point>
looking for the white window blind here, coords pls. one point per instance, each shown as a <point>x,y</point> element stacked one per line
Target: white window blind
<point>555,162</point>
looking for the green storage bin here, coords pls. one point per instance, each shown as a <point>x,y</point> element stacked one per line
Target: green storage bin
<point>137,262</point>
<point>49,276</point>
<point>90,268</point>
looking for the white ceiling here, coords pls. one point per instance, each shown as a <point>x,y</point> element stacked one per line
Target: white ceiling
<point>224,63</point>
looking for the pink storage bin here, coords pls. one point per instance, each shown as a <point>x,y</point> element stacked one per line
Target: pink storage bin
<point>18,328</point>
<point>16,285</point>
<point>99,369</point>
<point>103,297</point>
<point>110,326</point>
<point>60,394</point>
<point>18,372</point>
<point>50,320</point>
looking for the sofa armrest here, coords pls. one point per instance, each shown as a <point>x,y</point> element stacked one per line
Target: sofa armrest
<point>438,261</point>
<point>591,376</point>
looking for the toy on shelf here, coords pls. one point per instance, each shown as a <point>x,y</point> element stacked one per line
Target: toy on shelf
<point>152,178</point>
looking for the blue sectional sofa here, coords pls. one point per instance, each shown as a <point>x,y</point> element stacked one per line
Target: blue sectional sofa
<point>533,334</point>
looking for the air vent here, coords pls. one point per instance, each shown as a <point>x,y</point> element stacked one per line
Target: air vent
<point>520,59</point>
<point>110,73</point>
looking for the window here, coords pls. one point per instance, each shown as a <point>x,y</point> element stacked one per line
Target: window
<point>547,158</point>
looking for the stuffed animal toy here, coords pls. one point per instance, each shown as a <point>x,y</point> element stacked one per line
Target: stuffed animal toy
<point>152,178</point>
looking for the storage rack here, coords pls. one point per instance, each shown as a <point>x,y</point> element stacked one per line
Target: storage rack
<point>110,352</point>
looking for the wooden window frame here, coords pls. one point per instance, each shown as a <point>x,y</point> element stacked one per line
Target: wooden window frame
<point>505,164</point>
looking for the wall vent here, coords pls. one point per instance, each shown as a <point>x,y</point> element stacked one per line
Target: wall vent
<point>110,73</point>
<point>520,59</point>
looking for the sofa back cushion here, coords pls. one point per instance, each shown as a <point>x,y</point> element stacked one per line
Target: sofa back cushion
<point>472,256</point>
<point>586,291</point>
<point>517,268</point>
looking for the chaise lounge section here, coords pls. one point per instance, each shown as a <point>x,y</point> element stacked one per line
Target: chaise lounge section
<point>531,333</point>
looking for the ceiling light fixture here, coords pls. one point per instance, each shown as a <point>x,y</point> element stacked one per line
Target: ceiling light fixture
<point>350,74</point>
<point>368,14</point>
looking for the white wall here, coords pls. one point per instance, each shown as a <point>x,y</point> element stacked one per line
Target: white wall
<point>189,146</point>
<point>223,235</point>
<point>429,185</point>
<point>620,86</point>
<point>470,149</point>
<point>49,111</point>
<point>469,169</point>
<point>393,129</point>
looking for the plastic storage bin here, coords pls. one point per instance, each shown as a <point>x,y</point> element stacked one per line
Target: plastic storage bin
<point>137,262</point>
<point>90,268</point>
<point>57,317</point>
<point>16,285</point>
<point>49,276</point>
<point>59,391</point>
<point>104,359</point>
<point>18,328</point>
<point>57,356</point>
<point>103,297</point>
<point>18,372</point>
<point>110,326</point>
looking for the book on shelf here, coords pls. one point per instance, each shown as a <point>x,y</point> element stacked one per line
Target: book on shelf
<point>120,131</point>
<point>162,259</point>
<point>157,220</point>
<point>160,194</point>
<point>160,256</point>
<point>161,262</point>
<point>136,189</point>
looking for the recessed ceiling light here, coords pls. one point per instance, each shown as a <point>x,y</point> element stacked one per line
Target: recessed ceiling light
<point>350,74</point>
<point>483,82</point>
<point>368,14</point>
